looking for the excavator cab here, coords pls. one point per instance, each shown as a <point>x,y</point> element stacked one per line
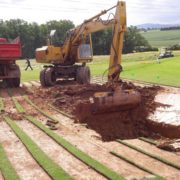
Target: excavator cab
<point>84,50</point>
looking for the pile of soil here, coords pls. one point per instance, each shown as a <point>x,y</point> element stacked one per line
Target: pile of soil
<point>124,124</point>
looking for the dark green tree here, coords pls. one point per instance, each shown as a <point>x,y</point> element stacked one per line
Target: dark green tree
<point>133,39</point>
<point>33,35</point>
<point>102,41</point>
<point>61,28</point>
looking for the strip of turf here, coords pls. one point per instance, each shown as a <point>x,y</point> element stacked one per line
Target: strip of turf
<point>6,168</point>
<point>19,108</point>
<point>97,166</point>
<point>137,165</point>
<point>61,112</point>
<point>41,111</point>
<point>100,168</point>
<point>149,154</point>
<point>150,141</point>
<point>53,169</point>
<point>1,105</point>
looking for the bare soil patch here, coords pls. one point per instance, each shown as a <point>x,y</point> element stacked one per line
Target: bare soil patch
<point>125,124</point>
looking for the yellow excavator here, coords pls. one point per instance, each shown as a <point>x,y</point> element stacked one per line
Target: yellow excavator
<point>69,59</point>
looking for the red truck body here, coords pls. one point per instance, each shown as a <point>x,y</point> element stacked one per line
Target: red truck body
<point>10,51</point>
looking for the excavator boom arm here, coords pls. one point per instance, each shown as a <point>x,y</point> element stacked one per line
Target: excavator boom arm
<point>118,23</point>
<point>117,43</point>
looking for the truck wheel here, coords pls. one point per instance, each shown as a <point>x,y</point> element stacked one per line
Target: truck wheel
<point>83,75</point>
<point>42,77</point>
<point>50,78</point>
<point>9,83</point>
<point>16,82</point>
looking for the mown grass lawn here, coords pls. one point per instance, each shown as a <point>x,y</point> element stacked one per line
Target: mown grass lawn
<point>137,66</point>
<point>29,75</point>
<point>167,72</point>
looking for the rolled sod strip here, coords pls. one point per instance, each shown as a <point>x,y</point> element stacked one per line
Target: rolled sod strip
<point>150,141</point>
<point>18,106</point>
<point>97,166</point>
<point>158,177</point>
<point>40,110</point>
<point>177,166</point>
<point>1,105</point>
<point>52,169</point>
<point>61,112</point>
<point>6,167</point>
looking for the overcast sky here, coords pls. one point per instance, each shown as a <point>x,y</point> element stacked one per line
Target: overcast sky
<point>138,11</point>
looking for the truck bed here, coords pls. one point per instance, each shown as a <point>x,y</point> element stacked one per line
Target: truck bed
<point>10,51</point>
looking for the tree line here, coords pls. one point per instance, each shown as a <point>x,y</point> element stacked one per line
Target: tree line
<point>33,35</point>
<point>170,28</point>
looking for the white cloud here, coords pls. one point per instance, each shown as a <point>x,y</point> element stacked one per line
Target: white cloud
<point>138,11</point>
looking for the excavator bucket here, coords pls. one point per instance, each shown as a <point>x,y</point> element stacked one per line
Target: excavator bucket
<point>115,101</point>
<point>105,102</point>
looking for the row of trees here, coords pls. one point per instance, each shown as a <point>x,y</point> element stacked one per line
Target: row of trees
<point>133,41</point>
<point>175,47</point>
<point>33,35</point>
<point>170,28</point>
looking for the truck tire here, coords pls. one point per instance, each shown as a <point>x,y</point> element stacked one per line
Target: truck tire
<point>13,82</point>
<point>42,77</point>
<point>9,83</point>
<point>50,78</point>
<point>83,75</point>
<point>16,82</point>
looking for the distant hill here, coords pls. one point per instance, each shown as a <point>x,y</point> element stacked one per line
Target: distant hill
<point>164,38</point>
<point>155,26</point>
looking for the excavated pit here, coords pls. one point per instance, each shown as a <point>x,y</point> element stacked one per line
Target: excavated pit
<point>124,124</point>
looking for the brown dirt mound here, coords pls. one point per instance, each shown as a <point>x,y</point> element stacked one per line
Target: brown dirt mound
<point>124,124</point>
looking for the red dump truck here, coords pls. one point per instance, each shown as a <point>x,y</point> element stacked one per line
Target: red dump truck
<point>10,51</point>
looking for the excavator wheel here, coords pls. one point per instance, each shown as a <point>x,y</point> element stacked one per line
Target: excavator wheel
<point>47,77</point>
<point>50,78</point>
<point>83,75</point>
<point>42,77</point>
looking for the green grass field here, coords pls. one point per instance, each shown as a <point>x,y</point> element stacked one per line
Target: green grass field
<point>137,66</point>
<point>29,75</point>
<point>159,38</point>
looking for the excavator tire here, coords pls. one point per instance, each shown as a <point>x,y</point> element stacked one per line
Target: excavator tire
<point>42,77</point>
<point>83,75</point>
<point>50,78</point>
